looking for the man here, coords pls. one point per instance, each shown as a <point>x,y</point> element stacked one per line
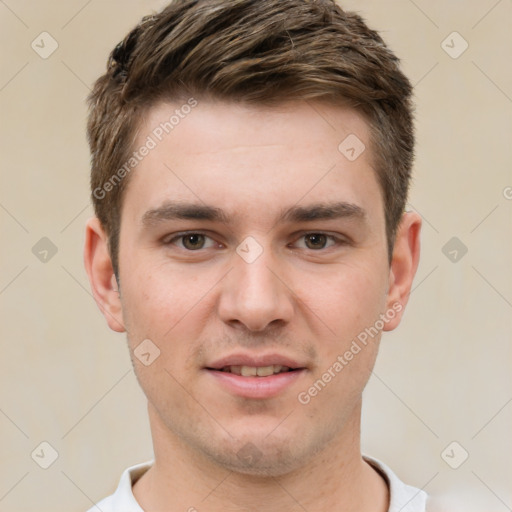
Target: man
<point>250,167</point>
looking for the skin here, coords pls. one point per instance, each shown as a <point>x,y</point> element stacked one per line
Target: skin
<point>305,300</point>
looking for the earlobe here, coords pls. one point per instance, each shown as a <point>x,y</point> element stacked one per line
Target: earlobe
<point>406,254</point>
<point>101,274</point>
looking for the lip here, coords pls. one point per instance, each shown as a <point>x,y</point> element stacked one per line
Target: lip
<point>255,387</point>
<point>255,361</point>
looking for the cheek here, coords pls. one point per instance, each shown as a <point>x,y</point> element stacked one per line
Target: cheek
<point>157,298</point>
<point>347,299</point>
<point>171,310</point>
<point>350,309</point>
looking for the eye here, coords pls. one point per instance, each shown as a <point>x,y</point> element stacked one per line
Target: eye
<point>317,241</point>
<point>191,241</point>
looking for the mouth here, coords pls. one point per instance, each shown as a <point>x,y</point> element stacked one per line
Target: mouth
<point>254,377</point>
<point>255,371</point>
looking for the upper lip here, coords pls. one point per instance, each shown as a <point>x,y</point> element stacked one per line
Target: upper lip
<point>254,360</point>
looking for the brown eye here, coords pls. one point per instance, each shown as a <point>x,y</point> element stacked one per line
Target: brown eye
<point>193,241</point>
<point>315,240</point>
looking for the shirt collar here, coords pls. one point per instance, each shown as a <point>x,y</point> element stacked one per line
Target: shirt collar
<point>403,498</point>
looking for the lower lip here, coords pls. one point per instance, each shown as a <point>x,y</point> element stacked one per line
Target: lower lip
<point>256,387</point>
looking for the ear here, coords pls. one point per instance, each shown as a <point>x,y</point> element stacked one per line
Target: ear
<point>101,274</point>
<point>404,263</point>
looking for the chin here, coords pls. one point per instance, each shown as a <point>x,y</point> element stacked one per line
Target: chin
<point>259,461</point>
<point>264,455</point>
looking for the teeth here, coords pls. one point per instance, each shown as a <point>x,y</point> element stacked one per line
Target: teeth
<point>253,371</point>
<point>248,371</point>
<point>235,369</point>
<point>265,371</point>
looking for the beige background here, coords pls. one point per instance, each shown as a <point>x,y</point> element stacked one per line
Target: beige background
<point>444,376</point>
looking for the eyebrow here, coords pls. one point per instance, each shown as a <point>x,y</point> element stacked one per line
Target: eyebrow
<point>323,211</point>
<point>172,210</point>
<point>175,210</point>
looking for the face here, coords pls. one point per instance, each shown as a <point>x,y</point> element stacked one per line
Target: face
<point>253,258</point>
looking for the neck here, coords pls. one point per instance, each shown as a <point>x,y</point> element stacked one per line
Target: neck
<point>335,478</point>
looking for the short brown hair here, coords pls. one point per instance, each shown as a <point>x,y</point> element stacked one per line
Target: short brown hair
<point>257,51</point>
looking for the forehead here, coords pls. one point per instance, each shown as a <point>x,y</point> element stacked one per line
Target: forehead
<point>222,123</point>
<point>252,159</point>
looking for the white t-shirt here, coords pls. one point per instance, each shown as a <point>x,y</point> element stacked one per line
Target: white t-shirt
<point>403,498</point>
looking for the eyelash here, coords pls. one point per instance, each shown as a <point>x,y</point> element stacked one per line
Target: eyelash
<point>337,241</point>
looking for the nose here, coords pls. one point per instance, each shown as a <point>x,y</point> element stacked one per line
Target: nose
<point>255,294</point>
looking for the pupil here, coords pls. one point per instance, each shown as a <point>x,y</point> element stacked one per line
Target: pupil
<point>193,241</point>
<point>316,240</point>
